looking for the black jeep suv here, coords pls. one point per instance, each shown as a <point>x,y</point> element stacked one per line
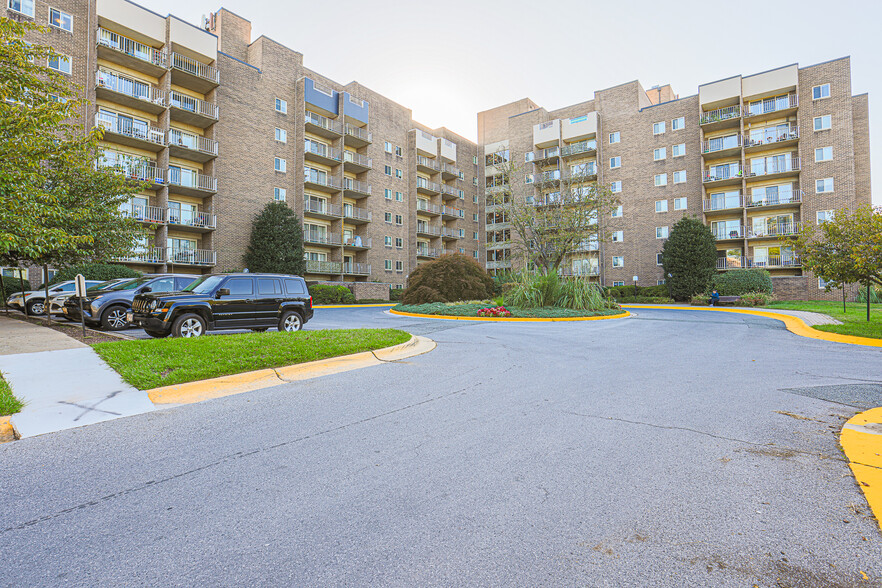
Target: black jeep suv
<point>226,301</point>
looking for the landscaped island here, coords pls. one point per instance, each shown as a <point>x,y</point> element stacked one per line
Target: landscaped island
<point>472,308</point>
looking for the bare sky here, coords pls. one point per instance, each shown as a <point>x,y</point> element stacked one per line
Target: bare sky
<point>448,61</point>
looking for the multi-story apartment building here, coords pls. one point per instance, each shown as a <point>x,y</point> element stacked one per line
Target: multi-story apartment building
<point>220,125</point>
<point>754,157</point>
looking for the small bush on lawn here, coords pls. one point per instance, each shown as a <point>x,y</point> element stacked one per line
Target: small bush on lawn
<point>700,300</point>
<point>327,294</point>
<point>395,294</point>
<point>95,271</point>
<point>448,279</point>
<point>755,299</point>
<point>742,281</point>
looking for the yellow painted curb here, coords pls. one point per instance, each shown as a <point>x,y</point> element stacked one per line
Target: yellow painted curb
<point>6,432</point>
<point>861,440</point>
<point>794,324</point>
<point>510,319</point>
<point>356,305</point>
<point>192,392</point>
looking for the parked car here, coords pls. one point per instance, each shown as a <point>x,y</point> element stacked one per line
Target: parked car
<point>35,300</point>
<point>109,307</point>
<point>225,301</point>
<point>56,303</point>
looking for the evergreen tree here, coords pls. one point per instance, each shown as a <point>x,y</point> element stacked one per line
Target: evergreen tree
<point>689,258</point>
<point>276,241</point>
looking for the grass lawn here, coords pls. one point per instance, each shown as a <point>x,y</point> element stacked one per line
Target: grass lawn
<point>442,309</point>
<point>9,404</point>
<point>162,362</point>
<point>854,319</point>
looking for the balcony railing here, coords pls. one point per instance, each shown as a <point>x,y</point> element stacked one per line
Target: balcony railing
<point>774,229</point>
<point>450,211</point>
<point>323,122</point>
<point>323,208</point>
<point>321,238</point>
<point>450,190</point>
<point>723,202</point>
<point>132,48</point>
<point>724,172</point>
<point>542,154</point>
<point>358,159</point>
<point>356,213</point>
<point>500,264</point>
<point>190,104</point>
<point>130,128</point>
<point>731,262</point>
<point>143,212</point>
<point>146,255</point>
<point>722,233</point>
<point>547,176</point>
<point>792,197</point>
<point>188,218</point>
<point>427,229</point>
<point>137,171</point>
<point>357,269</point>
<point>449,169</point>
<point>445,232</point>
<point>130,87</point>
<point>358,132</point>
<point>177,138</point>
<point>774,165</point>
<point>579,271</point>
<point>771,135</point>
<point>191,256</point>
<point>428,162</point>
<point>356,186</point>
<point>195,68</point>
<point>773,104</point>
<point>721,144</point>
<point>774,261</point>
<point>357,241</point>
<point>322,179</point>
<point>579,148</point>
<point>323,267</point>
<point>720,114</point>
<point>428,184</point>
<point>191,179</point>
<point>428,207</point>
<point>323,150</point>
<point>428,251</point>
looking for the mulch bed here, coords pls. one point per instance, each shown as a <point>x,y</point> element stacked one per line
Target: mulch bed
<point>73,330</point>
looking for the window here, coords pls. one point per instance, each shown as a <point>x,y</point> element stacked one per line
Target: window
<point>60,20</point>
<point>281,106</point>
<point>388,217</point>
<point>661,205</point>
<point>661,179</point>
<point>387,147</point>
<point>397,151</point>
<point>475,159</point>
<point>399,196</point>
<point>614,137</point>
<point>60,63</point>
<point>618,283</point>
<point>619,261</point>
<point>281,165</point>
<point>825,185</point>
<point>239,286</point>
<point>25,7</point>
<point>387,169</point>
<point>281,135</point>
<point>661,232</point>
<point>617,211</point>
<point>398,173</point>
<point>680,203</point>
<point>387,241</point>
<point>680,177</point>
<point>399,220</point>
<point>399,266</point>
<point>387,265</point>
<point>659,154</point>
<point>388,194</point>
<point>529,156</point>
<point>822,91</point>
<point>824,154</point>
<point>823,123</point>
<point>678,123</point>
<point>475,181</point>
<point>824,216</point>
<point>660,282</point>
<point>475,254</point>
<point>658,260</point>
<point>822,284</point>
<point>618,236</point>
<point>615,162</point>
<point>462,249</point>
<point>279,194</point>
<point>475,217</point>
<point>616,186</point>
<point>658,128</point>
<point>528,179</point>
<point>399,242</point>
<point>475,235</point>
<point>678,150</point>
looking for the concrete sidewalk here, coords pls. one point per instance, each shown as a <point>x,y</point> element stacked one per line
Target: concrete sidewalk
<point>63,383</point>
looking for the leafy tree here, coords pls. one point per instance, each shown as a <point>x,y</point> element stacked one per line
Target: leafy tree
<point>846,249</point>
<point>689,258</point>
<point>276,241</point>
<point>448,279</point>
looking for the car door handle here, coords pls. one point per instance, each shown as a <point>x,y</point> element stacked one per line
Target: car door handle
<point>251,301</point>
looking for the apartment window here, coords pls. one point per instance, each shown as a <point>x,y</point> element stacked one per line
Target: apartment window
<point>528,179</point>
<point>661,205</point>
<point>388,194</point>
<point>25,7</point>
<point>475,217</point>
<point>619,261</point>
<point>398,151</point>
<point>398,173</point>
<point>475,254</point>
<point>618,283</point>
<point>660,282</point>
<point>387,241</point>
<point>822,284</point>
<point>399,242</point>
<point>658,260</point>
<point>281,106</point>
<point>661,179</point>
<point>60,20</point>
<point>678,123</point>
<point>661,232</point>
<point>529,156</point>
<point>387,169</point>
<point>658,128</point>
<point>387,146</point>
<point>462,233</point>
<point>475,235</point>
<point>388,217</point>
<point>824,185</point>
<point>399,196</point>
<point>659,154</point>
<point>617,211</point>
<point>387,265</point>
<point>615,137</point>
<point>460,194</point>
<point>822,91</point>
<point>616,186</point>
<point>823,153</point>
<point>615,162</point>
<point>462,249</point>
<point>281,165</point>
<point>399,220</point>
<point>618,236</point>
<point>399,266</point>
<point>678,150</point>
<point>60,63</point>
<point>475,181</point>
<point>475,198</point>
<point>475,159</point>
<point>281,135</point>
<point>823,123</point>
<point>680,203</point>
<point>680,177</point>
<point>824,216</point>
<point>280,194</point>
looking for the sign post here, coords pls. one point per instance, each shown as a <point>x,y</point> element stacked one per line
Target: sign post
<point>635,285</point>
<point>80,294</point>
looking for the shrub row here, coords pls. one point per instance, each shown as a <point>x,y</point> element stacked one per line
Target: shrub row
<point>749,299</point>
<point>740,282</point>
<point>327,294</point>
<point>95,271</point>
<point>619,292</point>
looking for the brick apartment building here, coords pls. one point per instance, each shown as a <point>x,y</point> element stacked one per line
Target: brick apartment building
<point>221,125</point>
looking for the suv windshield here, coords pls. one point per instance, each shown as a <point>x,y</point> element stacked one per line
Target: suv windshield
<point>205,284</point>
<point>102,286</point>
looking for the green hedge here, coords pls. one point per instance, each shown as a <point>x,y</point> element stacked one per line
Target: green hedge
<point>11,286</point>
<point>618,292</point>
<point>644,300</point>
<point>742,281</point>
<point>327,294</point>
<point>95,271</point>
<point>395,294</point>
<point>471,309</point>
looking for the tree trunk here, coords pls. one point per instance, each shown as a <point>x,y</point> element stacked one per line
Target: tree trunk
<point>868,299</point>
<point>46,294</point>
<point>21,284</point>
<point>843,298</point>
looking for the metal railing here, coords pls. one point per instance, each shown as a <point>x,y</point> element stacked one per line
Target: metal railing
<point>792,197</point>
<point>187,178</point>
<point>720,114</point>
<point>774,229</point>
<point>450,211</point>
<point>445,232</point>
<point>321,238</point>
<point>541,154</point>
<point>427,229</point>
<point>774,165</point>
<point>143,212</point>
<point>723,202</point>
<point>356,213</point>
<point>429,163</point>
<point>428,184</point>
<point>721,233</point>
<point>771,135</point>
<point>358,159</point>
<point>579,271</point>
<point>428,207</point>
<point>731,262</point>
<point>321,179</point>
<point>357,132</point>
<point>723,172</point>
<point>357,241</point>
<point>191,256</point>
<point>130,128</point>
<point>137,171</point>
<point>428,251</point>
<point>146,255</point>
<point>579,148</point>
<point>130,87</point>
<point>451,169</point>
<point>773,104</point>
<point>323,122</point>
<point>791,260</point>
<point>196,68</point>
<point>322,150</point>
<point>323,267</point>
<point>356,186</point>
<point>721,144</point>
<point>190,104</point>
<point>357,269</point>
<point>178,138</point>
<point>187,218</point>
<point>500,264</point>
<point>322,208</point>
<point>547,176</point>
<point>451,190</point>
<point>132,48</point>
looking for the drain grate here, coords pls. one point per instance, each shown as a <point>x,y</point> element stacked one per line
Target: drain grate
<point>862,396</point>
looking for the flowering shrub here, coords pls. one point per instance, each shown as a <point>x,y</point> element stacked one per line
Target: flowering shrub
<point>498,311</point>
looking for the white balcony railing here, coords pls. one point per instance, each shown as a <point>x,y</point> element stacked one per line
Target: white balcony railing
<point>427,229</point>
<point>357,269</point>
<point>191,256</point>
<point>772,104</point>
<point>721,144</point>
<point>191,104</point>
<point>127,86</point>
<point>321,238</point>
<point>358,132</point>
<point>727,232</point>
<point>579,148</point>
<point>146,255</point>
<point>356,213</point>
<point>774,165</point>
<point>356,186</point>
<point>773,229</point>
<point>314,266</point>
<point>723,202</point>
<point>322,207</point>
<point>323,122</point>
<point>322,179</point>
<point>143,212</point>
<point>132,48</point>
<point>428,162</point>
<point>428,184</point>
<point>358,159</point>
<point>428,207</point>
<point>357,241</point>
<point>771,135</point>
<point>141,172</point>
<point>186,178</point>
<point>731,262</point>
<point>322,150</point>
<point>178,138</point>
<point>781,197</point>
<point>190,218</point>
<point>128,127</point>
<point>720,114</point>
<point>428,251</point>
<point>722,172</point>
<point>774,261</point>
<point>195,68</point>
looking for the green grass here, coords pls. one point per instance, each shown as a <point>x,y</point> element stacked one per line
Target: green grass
<point>9,404</point>
<point>854,319</point>
<point>163,362</point>
<point>471,309</point>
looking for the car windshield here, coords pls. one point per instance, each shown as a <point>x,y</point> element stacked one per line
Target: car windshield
<point>131,284</point>
<point>205,284</point>
<point>103,286</point>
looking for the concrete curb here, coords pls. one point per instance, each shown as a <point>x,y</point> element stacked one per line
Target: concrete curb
<point>192,392</point>
<point>356,305</point>
<point>861,441</point>
<point>7,433</point>
<point>510,319</point>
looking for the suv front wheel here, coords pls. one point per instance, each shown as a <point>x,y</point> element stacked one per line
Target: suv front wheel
<point>114,318</point>
<point>291,322</point>
<point>188,325</point>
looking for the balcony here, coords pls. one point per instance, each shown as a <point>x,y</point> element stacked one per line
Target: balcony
<point>449,192</point>
<point>323,126</point>
<point>320,238</point>
<point>723,175</point>
<point>195,257</point>
<point>428,230</point>
<point>579,271</point>
<point>775,261</point>
<point>357,243</point>
<point>191,146</point>
<point>582,172</point>
<point>356,162</point>
<point>323,267</point>
<point>500,264</point>
<point>321,153</point>
<point>199,222</point>
<point>448,213</point>
<point>723,203</point>
<point>546,156</point>
<point>547,177</point>
<point>773,230</point>
<point>191,182</point>
<point>192,111</point>
<point>428,208</point>
<point>194,75</point>
<point>357,269</point>
<point>580,148</point>
<point>131,54</point>
<point>449,172</point>
<point>587,245</point>
<point>774,167</point>
<point>356,136</point>
<point>428,252</point>
<point>355,215</point>
<point>126,131</point>
<point>321,181</point>
<point>121,89</point>
<point>721,147</point>
<point>731,262</point>
<point>322,209</point>
<point>139,172</point>
<point>356,188</point>
<point>448,251</point>
<point>777,136</point>
<point>721,118</point>
<point>146,255</point>
<point>449,234</point>
<point>151,215</point>
<point>780,200</point>
<point>774,107</point>
<point>427,165</point>
<point>425,186</point>
<point>727,233</point>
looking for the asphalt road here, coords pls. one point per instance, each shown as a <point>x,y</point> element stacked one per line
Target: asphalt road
<point>667,449</point>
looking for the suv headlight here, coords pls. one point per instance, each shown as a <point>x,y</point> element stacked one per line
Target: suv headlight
<point>152,305</point>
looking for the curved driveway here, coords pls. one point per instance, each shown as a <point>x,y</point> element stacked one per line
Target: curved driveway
<point>666,449</point>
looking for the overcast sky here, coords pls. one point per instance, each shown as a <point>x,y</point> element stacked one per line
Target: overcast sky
<point>448,61</point>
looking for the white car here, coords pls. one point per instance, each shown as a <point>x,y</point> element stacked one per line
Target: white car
<point>35,300</point>
<point>56,303</point>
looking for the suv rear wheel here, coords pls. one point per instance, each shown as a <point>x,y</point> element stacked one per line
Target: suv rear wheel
<point>188,325</point>
<point>114,318</point>
<point>291,321</point>
<point>36,307</point>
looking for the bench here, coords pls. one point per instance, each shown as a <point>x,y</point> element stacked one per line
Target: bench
<point>729,300</point>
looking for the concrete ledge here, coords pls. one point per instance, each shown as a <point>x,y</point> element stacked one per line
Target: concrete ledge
<point>861,441</point>
<point>510,319</point>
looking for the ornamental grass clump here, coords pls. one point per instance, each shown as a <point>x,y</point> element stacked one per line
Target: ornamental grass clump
<point>537,290</point>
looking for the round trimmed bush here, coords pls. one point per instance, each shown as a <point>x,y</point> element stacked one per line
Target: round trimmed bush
<point>741,281</point>
<point>95,271</point>
<point>450,278</point>
<point>328,294</point>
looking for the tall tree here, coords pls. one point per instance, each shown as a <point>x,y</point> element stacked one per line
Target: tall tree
<point>276,241</point>
<point>689,258</point>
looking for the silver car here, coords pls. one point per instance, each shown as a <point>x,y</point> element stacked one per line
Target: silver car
<point>35,300</point>
<point>56,303</point>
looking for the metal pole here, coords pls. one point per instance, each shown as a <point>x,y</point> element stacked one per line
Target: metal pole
<point>3,293</point>
<point>868,300</point>
<point>82,317</point>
